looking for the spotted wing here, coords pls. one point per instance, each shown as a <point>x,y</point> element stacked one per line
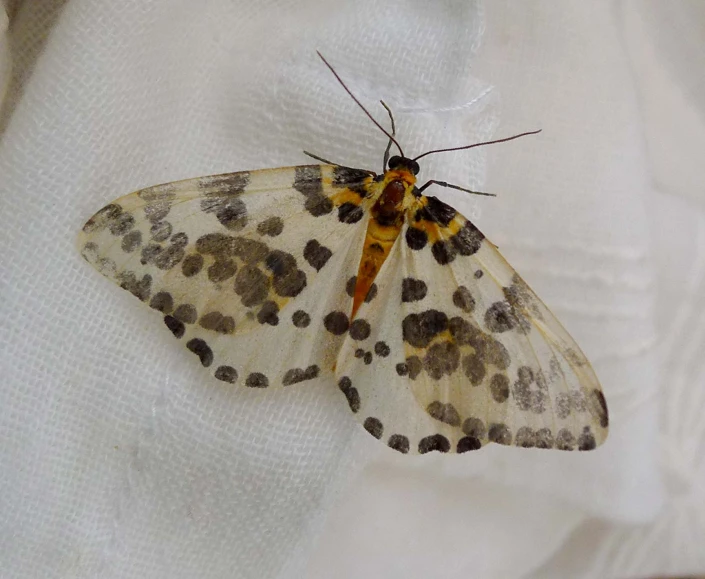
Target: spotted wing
<point>457,351</point>
<point>247,269</point>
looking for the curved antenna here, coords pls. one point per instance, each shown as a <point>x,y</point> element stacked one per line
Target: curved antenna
<point>353,97</point>
<point>385,159</point>
<point>477,144</point>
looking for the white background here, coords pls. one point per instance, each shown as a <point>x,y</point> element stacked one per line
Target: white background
<point>122,458</point>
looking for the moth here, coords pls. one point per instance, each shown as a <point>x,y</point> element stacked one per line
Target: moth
<point>275,277</point>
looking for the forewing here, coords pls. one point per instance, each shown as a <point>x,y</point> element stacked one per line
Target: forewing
<point>471,353</point>
<point>245,268</point>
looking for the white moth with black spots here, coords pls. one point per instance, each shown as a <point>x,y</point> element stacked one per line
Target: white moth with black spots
<point>276,277</point>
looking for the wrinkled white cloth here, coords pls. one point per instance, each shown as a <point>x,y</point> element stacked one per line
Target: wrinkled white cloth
<point>122,458</point>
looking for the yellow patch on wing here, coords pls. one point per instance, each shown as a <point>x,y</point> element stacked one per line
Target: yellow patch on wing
<point>434,231</point>
<point>346,196</point>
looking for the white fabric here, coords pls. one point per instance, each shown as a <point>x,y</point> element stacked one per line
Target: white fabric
<point>121,458</point>
<point>5,65</point>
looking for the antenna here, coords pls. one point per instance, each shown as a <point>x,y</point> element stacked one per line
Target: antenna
<point>353,97</point>
<point>477,144</point>
<point>385,159</point>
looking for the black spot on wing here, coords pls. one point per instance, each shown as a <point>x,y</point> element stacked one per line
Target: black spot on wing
<point>300,319</point>
<point>399,442</point>
<point>416,238</point>
<point>565,440</point>
<point>221,270</point>
<point>353,179</point>
<point>586,441</point>
<point>272,226</point>
<point>382,349</point>
<point>603,414</point>
<point>217,322</point>
<point>291,284</point>
<point>280,263</point>
<point>226,374</point>
<point>175,326</point>
<point>499,318</point>
<point>525,437</point>
<point>349,213</point>
<point>350,286</point>
<point>228,184</point>
<point>360,329</point>
<point>228,209</point>
<point>179,239</point>
<point>475,428</point>
<point>122,224</point>
<point>468,443</point>
<point>499,387</point>
<point>437,212</point>
<point>436,442</point>
<point>160,231</point>
<point>308,182</point>
<point>251,285</point>
<point>268,313</point>
<point>413,290</point>
<point>249,250</point>
<point>140,288</point>
<point>316,255</point>
<point>351,393</point>
<point>186,313</point>
<point>318,205</point>
<point>419,329</point>
<point>444,412</point>
<point>468,240</point>
<point>296,375</point>
<point>500,434</point>
<point>156,209</point>
<point>374,426</point>
<point>474,368</point>
<point>411,367</point>
<point>462,298</point>
<point>106,216</point>
<point>543,438</point>
<point>192,264</point>
<point>443,251</point>
<point>202,350</point>
<point>257,380</point>
<point>530,390</point>
<point>216,244</point>
<point>441,358</point>
<point>131,241</point>
<point>336,323</point>
<point>162,302</point>
<point>288,280</point>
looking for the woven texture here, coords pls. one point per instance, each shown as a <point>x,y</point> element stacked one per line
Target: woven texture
<point>122,458</point>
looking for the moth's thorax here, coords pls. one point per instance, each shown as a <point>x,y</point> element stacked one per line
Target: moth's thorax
<point>397,188</point>
<point>400,174</point>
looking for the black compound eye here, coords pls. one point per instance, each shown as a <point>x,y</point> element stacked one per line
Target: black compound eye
<point>394,161</point>
<point>397,162</point>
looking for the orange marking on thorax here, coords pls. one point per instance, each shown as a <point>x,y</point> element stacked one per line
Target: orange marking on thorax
<point>387,218</point>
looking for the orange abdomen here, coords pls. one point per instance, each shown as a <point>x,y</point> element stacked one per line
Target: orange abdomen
<point>382,231</point>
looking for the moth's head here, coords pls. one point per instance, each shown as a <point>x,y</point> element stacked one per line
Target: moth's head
<point>397,162</point>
